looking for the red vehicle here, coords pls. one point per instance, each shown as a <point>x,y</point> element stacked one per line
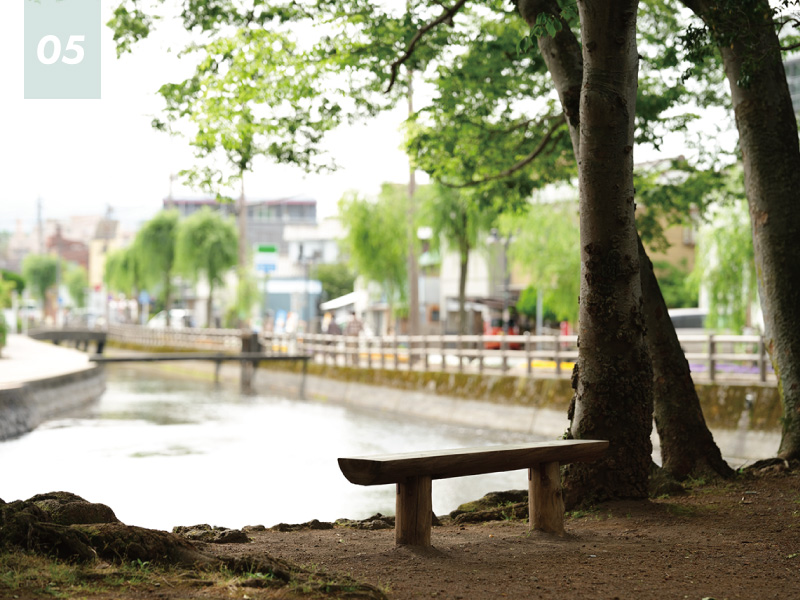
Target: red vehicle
<point>495,327</point>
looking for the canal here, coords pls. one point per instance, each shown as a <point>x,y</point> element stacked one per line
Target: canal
<point>163,452</point>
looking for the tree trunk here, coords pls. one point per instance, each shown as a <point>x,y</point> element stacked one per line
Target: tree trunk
<point>687,446</point>
<point>613,378</point>
<point>209,303</point>
<point>463,252</point>
<point>167,297</point>
<point>771,159</point>
<point>562,55</point>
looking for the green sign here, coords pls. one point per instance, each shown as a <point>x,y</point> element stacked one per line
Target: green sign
<point>267,248</point>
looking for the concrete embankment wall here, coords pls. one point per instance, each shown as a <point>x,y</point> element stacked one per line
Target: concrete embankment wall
<point>745,420</point>
<point>24,406</point>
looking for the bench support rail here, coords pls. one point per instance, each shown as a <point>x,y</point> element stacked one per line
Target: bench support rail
<point>414,510</point>
<point>545,502</point>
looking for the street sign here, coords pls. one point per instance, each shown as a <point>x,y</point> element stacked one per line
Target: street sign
<point>266,267</point>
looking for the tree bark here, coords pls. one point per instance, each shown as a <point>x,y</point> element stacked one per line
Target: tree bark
<point>771,158</point>
<point>613,377</point>
<point>677,406</point>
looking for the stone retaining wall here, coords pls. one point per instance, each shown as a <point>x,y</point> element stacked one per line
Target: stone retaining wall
<point>25,406</point>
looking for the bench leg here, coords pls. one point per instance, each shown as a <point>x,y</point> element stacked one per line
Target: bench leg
<point>545,504</point>
<point>414,508</point>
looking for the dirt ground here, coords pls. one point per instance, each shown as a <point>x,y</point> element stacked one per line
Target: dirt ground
<point>738,539</point>
<point>723,541</point>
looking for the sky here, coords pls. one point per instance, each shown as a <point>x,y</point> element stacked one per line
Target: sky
<point>81,156</point>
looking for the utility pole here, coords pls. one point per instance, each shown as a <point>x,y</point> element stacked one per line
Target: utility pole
<point>413,269</point>
<point>247,368</point>
<point>170,201</point>
<point>39,224</point>
<point>241,218</point>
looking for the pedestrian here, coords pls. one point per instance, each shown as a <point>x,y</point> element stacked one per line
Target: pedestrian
<point>354,328</point>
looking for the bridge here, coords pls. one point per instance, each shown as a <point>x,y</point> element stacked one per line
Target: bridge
<point>81,337</point>
<point>251,358</point>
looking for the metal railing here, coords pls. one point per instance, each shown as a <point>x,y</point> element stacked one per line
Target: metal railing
<point>221,340</point>
<point>711,357</point>
<point>732,358</point>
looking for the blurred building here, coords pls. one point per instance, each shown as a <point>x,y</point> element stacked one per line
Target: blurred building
<point>66,249</point>
<point>792,68</point>
<point>287,241</point>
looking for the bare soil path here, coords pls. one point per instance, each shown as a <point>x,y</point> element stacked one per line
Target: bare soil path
<point>723,541</point>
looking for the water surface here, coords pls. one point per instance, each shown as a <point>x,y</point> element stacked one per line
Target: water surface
<point>164,452</point>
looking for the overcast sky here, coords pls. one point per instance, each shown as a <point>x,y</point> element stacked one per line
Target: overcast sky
<point>81,155</point>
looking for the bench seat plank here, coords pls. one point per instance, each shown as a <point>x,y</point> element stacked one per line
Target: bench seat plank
<point>442,464</point>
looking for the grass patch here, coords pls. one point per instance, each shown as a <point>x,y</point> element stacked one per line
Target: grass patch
<point>25,575</point>
<point>583,513</point>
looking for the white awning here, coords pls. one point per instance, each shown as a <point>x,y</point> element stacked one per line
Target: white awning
<point>342,301</point>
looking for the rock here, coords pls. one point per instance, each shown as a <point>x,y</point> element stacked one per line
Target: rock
<point>492,500</point>
<point>661,483</point>
<point>25,526</point>
<point>313,524</point>
<point>212,535</point>
<point>249,528</point>
<point>373,523</point>
<point>65,508</point>
<point>517,510</point>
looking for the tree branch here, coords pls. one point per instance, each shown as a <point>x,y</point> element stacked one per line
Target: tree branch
<point>447,14</point>
<point>549,136</point>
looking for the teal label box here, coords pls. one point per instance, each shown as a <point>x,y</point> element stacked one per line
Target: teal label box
<point>62,49</point>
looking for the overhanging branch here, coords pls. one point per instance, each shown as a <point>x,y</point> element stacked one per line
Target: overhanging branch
<point>554,133</point>
<point>446,15</point>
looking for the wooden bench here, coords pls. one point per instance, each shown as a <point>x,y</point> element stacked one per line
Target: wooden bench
<point>414,471</point>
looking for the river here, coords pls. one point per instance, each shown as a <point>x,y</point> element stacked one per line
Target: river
<point>163,452</point>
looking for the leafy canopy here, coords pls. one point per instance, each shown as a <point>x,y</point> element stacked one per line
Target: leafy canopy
<point>40,270</point>
<point>206,245</point>
<point>77,281</point>
<point>546,244</point>
<point>376,239</point>
<point>155,247</point>
<point>726,268</point>
<point>337,279</point>
<point>123,270</point>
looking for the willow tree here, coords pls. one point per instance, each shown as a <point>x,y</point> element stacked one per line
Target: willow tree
<point>206,246</point>
<point>726,267</point>
<point>77,281</point>
<point>123,272</point>
<point>155,247</point>
<point>547,247</point>
<point>375,242</point>
<point>40,271</point>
